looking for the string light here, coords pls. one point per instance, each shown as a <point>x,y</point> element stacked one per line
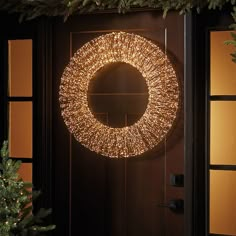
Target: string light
<point>163,90</point>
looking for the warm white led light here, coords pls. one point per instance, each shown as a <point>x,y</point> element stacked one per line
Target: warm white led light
<point>163,90</point>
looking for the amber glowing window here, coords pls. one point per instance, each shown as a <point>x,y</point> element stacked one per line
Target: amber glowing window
<point>20,98</point>
<point>222,198</point>
<point>20,67</point>
<point>25,172</point>
<point>20,129</point>
<point>222,136</point>
<point>20,104</point>
<point>223,132</point>
<point>223,70</point>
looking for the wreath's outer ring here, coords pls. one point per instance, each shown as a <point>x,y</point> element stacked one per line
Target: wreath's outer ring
<point>163,89</point>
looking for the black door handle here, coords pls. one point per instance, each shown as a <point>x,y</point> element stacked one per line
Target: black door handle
<point>176,205</point>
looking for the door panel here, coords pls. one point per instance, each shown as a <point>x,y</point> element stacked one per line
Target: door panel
<point>115,197</point>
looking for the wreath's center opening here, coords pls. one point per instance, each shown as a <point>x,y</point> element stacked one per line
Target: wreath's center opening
<point>118,95</point>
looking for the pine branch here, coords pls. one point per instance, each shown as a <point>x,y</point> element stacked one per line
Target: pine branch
<point>16,216</point>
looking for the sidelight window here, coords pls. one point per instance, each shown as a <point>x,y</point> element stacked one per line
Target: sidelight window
<point>20,104</point>
<point>222,137</point>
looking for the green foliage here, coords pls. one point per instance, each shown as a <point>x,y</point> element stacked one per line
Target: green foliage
<point>16,218</point>
<point>33,8</point>
<point>214,4</point>
<point>232,42</point>
<point>233,14</point>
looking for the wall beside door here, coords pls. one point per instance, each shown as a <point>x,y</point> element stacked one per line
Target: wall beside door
<point>31,73</point>
<point>96,195</point>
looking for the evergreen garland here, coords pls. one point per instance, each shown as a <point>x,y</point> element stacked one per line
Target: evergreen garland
<point>30,9</point>
<point>233,41</point>
<point>16,217</point>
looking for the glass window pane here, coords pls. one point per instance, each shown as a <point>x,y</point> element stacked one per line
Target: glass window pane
<point>25,172</point>
<point>20,129</point>
<point>222,199</point>
<point>223,70</point>
<point>20,67</point>
<point>223,132</point>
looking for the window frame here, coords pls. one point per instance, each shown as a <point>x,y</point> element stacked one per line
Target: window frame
<point>210,98</point>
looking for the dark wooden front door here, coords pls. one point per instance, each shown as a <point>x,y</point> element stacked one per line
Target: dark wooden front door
<point>95,195</point>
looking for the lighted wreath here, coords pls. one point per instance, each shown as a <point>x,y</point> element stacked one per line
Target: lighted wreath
<point>163,90</point>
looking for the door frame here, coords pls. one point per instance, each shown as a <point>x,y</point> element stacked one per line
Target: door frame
<point>188,126</point>
<point>196,67</point>
<point>195,113</point>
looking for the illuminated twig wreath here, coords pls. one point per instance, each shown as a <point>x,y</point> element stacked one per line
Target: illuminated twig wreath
<point>163,90</point>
